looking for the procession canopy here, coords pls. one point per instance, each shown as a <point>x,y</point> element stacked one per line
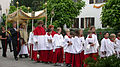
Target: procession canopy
<point>22,16</point>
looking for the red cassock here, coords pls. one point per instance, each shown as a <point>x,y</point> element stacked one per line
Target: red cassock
<point>53,33</point>
<point>39,31</point>
<point>68,56</point>
<point>58,55</point>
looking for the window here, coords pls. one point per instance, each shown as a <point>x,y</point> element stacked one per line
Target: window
<point>75,0</point>
<point>0,7</point>
<point>87,22</point>
<point>91,1</point>
<point>104,26</point>
<point>82,22</point>
<point>96,1</point>
<point>76,23</point>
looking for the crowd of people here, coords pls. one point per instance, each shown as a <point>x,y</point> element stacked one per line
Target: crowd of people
<point>48,46</point>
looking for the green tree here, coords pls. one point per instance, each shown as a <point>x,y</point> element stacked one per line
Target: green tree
<point>24,8</point>
<point>36,5</point>
<point>111,14</point>
<point>64,11</point>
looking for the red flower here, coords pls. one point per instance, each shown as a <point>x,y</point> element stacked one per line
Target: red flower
<point>100,33</point>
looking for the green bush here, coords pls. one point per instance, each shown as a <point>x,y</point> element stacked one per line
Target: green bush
<point>111,61</point>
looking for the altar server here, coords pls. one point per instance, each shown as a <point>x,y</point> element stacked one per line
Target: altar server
<point>52,28</point>
<point>38,39</point>
<point>48,56</point>
<point>78,48</point>
<point>91,46</point>
<point>82,39</point>
<point>104,44</point>
<point>58,48</point>
<point>111,46</point>
<point>117,46</point>
<point>30,42</point>
<point>67,48</point>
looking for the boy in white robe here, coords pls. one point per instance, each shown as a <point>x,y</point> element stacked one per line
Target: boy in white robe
<point>48,55</point>
<point>67,48</point>
<point>91,47</point>
<point>82,39</point>
<point>58,48</point>
<point>117,47</point>
<point>104,43</point>
<point>110,49</point>
<point>31,42</point>
<point>78,47</point>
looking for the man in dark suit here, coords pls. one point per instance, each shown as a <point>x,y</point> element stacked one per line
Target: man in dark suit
<point>15,40</point>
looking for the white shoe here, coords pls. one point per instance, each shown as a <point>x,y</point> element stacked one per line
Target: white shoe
<point>62,64</point>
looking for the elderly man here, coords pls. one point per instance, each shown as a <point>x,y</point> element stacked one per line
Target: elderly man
<point>15,40</point>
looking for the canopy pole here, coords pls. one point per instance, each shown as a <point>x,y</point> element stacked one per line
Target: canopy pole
<point>32,24</point>
<point>6,19</point>
<point>33,14</point>
<point>17,15</point>
<point>46,22</point>
<point>94,1</point>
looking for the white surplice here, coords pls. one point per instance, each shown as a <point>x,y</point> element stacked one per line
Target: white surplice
<point>117,47</point>
<point>67,48</point>
<point>49,46</point>
<point>58,41</point>
<point>104,45</point>
<point>30,41</point>
<point>91,49</point>
<point>24,49</point>
<point>41,42</point>
<point>78,44</point>
<point>110,48</point>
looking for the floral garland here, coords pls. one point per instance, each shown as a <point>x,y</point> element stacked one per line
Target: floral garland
<point>98,6</point>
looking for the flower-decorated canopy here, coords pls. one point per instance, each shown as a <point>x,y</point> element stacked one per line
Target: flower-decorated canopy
<point>21,16</point>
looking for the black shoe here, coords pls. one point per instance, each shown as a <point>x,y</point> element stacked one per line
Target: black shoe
<point>11,50</point>
<point>26,56</point>
<point>32,59</point>
<point>16,59</point>
<point>55,64</point>
<point>4,56</point>
<point>38,61</point>
<point>46,62</point>
<point>20,56</point>
<point>50,62</point>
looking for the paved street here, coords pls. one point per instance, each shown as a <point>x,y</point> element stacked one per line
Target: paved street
<point>10,62</point>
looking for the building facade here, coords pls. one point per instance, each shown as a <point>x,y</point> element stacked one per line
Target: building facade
<point>4,4</point>
<point>90,14</point>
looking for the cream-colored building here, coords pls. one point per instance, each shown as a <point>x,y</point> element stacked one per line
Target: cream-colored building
<point>4,4</point>
<point>90,14</point>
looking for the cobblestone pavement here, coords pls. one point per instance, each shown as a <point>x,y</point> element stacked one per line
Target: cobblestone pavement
<point>24,62</point>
